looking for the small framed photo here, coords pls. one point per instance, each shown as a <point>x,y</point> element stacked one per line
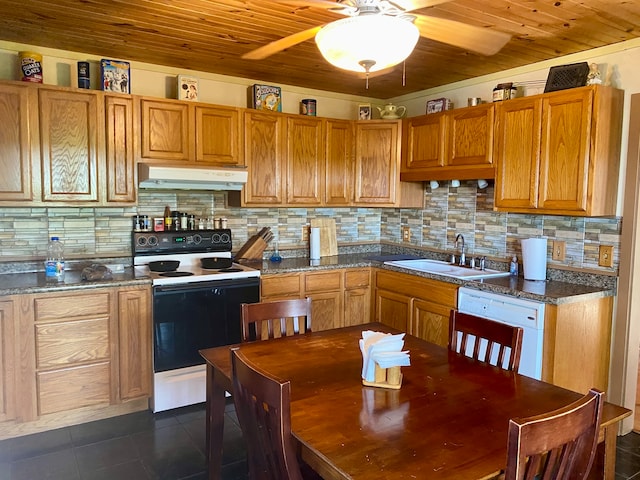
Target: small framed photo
<point>187,88</point>
<point>116,75</point>
<point>364,111</point>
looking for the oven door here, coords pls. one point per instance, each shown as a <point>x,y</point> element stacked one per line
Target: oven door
<point>193,316</point>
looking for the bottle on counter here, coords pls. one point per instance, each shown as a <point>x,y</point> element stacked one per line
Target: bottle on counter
<point>167,218</point>
<point>54,264</point>
<point>513,266</point>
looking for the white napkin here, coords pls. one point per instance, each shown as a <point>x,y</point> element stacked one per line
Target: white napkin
<point>385,349</point>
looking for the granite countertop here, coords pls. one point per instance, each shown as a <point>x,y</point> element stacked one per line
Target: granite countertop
<point>35,282</point>
<point>550,291</point>
<point>570,287</point>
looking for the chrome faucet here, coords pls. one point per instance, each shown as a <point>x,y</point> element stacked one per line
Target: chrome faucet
<point>462,258</point>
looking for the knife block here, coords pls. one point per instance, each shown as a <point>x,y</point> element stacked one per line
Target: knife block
<point>252,250</point>
<point>385,378</point>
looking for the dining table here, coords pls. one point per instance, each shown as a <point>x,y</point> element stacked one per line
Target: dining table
<point>448,420</point>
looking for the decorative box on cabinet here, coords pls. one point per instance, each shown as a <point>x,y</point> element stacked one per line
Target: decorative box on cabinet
<point>558,153</point>
<point>456,144</point>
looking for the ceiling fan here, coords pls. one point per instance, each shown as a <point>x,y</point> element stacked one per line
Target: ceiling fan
<point>388,14</point>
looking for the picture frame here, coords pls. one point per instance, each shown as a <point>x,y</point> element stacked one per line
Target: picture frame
<point>364,111</point>
<point>115,75</point>
<point>265,97</point>
<point>188,88</point>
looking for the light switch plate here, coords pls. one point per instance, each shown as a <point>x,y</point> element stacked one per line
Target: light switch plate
<point>605,256</point>
<point>559,250</point>
<point>406,234</point>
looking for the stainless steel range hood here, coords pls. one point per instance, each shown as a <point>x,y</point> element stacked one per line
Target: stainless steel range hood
<point>188,178</point>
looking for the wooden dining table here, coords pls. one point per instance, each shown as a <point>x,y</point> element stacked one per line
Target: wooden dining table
<point>447,421</point>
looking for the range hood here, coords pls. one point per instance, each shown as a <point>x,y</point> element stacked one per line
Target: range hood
<point>187,178</point>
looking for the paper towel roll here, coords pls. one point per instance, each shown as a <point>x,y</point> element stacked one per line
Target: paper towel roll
<point>534,258</point>
<point>314,243</point>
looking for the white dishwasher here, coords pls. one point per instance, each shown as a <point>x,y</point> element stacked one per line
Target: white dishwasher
<point>519,312</point>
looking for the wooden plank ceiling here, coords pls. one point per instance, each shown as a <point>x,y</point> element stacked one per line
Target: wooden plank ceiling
<point>211,36</point>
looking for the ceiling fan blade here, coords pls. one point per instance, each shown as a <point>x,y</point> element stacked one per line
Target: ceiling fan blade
<point>343,7</point>
<point>476,39</point>
<point>282,44</point>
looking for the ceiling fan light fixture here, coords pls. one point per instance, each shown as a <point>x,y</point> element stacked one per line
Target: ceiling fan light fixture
<point>374,41</point>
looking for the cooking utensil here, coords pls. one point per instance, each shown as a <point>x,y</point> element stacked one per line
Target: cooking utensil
<point>215,262</point>
<point>164,265</point>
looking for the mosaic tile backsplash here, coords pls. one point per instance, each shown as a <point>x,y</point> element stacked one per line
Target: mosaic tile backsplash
<point>448,211</point>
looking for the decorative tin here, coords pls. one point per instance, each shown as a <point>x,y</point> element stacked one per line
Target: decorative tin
<point>308,107</point>
<point>83,75</point>
<point>31,67</point>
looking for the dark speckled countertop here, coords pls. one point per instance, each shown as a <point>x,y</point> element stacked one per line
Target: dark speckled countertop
<point>562,287</point>
<point>549,291</point>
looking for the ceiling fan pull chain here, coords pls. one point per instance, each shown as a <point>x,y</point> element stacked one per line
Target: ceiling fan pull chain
<point>404,73</point>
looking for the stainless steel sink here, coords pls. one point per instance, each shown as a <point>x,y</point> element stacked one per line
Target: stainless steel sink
<point>447,269</point>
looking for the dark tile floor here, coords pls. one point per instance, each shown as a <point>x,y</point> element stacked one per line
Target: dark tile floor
<point>167,445</point>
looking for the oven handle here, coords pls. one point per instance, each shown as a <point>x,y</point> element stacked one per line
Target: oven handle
<point>202,286</point>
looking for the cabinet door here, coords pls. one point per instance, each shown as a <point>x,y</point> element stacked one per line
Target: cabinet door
<point>338,162</point>
<point>134,327</point>
<point>393,309</point>
<point>305,161</point>
<point>16,142</point>
<point>377,150</point>
<point>424,141</point>
<point>71,144</point>
<point>264,152</point>
<point>357,306</point>
<point>564,161</point>
<point>430,321</point>
<point>470,137</point>
<point>8,379</point>
<point>517,153</point>
<point>218,136</point>
<point>120,154</point>
<point>166,131</point>
<point>326,310</point>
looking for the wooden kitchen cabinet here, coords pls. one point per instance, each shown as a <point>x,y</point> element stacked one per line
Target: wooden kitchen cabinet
<point>18,143</point>
<point>558,153</point>
<point>134,343</point>
<point>416,305</point>
<point>73,356</point>
<point>8,345</point>
<point>72,137</point>
<point>265,151</point>
<point>578,333</point>
<point>338,166</point>
<point>178,132</point>
<point>456,144</point>
<point>339,296</point>
<point>120,154</point>
<point>304,161</point>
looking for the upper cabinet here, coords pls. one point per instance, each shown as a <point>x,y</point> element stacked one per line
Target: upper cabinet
<point>339,160</point>
<point>456,144</point>
<point>559,153</point>
<point>178,132</point>
<point>64,146</point>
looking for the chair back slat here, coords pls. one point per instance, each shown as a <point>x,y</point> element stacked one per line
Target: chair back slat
<point>481,339</point>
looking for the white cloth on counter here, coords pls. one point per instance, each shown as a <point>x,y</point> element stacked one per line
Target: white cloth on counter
<point>385,349</point>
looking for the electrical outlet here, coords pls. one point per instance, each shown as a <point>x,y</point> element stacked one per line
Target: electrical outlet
<point>305,233</point>
<point>559,249</point>
<point>406,234</point>
<point>605,256</point>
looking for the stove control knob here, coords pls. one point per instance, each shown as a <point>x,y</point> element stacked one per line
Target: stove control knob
<point>152,240</point>
<point>141,241</point>
<point>197,238</point>
<point>225,238</point>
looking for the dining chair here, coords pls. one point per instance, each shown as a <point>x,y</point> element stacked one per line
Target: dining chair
<point>485,340</point>
<point>265,320</point>
<point>559,445</point>
<point>262,404</point>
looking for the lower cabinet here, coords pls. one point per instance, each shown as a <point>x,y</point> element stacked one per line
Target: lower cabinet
<point>416,305</point>
<point>69,356</point>
<point>340,297</point>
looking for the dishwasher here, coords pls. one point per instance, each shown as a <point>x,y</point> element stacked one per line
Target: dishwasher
<point>519,312</point>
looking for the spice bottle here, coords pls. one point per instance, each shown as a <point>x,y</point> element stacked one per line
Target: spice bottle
<point>167,218</point>
<point>513,266</point>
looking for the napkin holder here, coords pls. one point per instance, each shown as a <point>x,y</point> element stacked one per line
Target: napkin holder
<point>385,378</point>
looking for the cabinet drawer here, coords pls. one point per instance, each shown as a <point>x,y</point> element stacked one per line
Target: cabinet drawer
<point>424,288</point>
<point>323,281</point>
<point>55,308</point>
<point>357,278</point>
<point>280,285</point>
<point>70,343</point>
<point>73,388</point>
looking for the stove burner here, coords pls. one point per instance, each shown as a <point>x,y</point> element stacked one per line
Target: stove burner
<point>230,270</point>
<point>175,274</point>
